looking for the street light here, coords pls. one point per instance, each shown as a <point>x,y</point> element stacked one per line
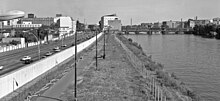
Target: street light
<point>104,41</point>
<point>96,52</point>
<point>75,97</point>
<point>104,47</point>
<point>37,45</point>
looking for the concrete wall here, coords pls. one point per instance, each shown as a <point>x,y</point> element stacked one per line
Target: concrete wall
<point>29,72</point>
<point>9,48</point>
<point>7,40</point>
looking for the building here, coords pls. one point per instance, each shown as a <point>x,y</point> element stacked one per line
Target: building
<point>25,25</point>
<point>148,25</point>
<point>58,15</point>
<point>1,25</point>
<point>202,22</point>
<point>115,24</point>
<point>8,40</point>
<point>66,25</point>
<point>216,21</point>
<point>191,23</point>
<point>44,21</point>
<point>30,15</point>
<point>174,24</point>
<point>106,18</point>
<point>157,25</point>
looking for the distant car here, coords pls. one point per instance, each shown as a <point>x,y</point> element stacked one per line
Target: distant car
<point>73,44</point>
<point>48,54</point>
<point>43,56</point>
<point>63,45</point>
<point>46,43</point>
<point>1,67</point>
<point>26,58</point>
<point>55,48</point>
<point>28,61</point>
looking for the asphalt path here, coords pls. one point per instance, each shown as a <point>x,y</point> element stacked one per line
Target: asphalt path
<point>61,85</point>
<point>11,59</point>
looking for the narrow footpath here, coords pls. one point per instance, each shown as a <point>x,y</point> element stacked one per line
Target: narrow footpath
<point>55,90</point>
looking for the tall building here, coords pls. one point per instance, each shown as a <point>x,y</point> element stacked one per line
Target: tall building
<point>66,25</point>
<point>106,18</point>
<point>115,24</point>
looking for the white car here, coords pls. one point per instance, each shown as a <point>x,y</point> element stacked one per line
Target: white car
<point>26,58</point>
<point>55,48</point>
<point>63,45</point>
<point>48,54</point>
<point>1,67</point>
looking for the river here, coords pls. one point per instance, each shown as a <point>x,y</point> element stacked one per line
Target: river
<point>194,60</point>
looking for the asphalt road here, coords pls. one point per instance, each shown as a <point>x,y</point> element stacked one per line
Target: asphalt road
<point>11,59</point>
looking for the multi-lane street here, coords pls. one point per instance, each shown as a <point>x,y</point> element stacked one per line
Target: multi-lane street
<point>11,59</point>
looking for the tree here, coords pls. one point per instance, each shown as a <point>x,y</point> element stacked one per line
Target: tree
<point>14,42</point>
<point>218,32</point>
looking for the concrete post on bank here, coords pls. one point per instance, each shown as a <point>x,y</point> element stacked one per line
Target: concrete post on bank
<point>154,89</point>
<point>155,93</point>
<point>158,95</point>
<point>161,95</point>
<point>152,86</point>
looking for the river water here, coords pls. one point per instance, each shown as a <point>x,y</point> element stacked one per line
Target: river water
<point>195,60</point>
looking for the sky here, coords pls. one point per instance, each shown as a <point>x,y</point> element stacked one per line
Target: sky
<point>140,11</point>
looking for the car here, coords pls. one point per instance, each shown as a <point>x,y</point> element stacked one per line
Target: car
<point>1,67</point>
<point>43,56</point>
<point>46,43</point>
<point>26,58</point>
<point>55,48</point>
<point>28,61</point>
<point>48,53</point>
<point>73,44</point>
<point>64,45</point>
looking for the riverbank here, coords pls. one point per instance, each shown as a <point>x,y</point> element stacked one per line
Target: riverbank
<point>164,78</point>
<point>126,74</point>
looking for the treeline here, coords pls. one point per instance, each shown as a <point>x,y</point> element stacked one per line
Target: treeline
<point>207,31</point>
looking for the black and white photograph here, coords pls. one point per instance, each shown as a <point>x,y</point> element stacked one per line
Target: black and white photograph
<point>109,50</point>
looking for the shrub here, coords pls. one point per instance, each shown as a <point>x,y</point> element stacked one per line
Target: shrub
<point>130,40</point>
<point>173,76</point>
<point>14,42</point>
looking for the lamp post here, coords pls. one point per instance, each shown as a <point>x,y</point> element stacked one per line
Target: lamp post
<point>104,47</point>
<point>37,45</point>
<point>96,52</point>
<point>75,97</point>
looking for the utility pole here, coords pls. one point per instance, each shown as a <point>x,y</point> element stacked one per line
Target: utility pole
<point>96,51</point>
<point>104,47</point>
<point>75,65</point>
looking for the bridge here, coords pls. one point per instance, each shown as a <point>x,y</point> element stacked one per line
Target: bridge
<point>146,30</point>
